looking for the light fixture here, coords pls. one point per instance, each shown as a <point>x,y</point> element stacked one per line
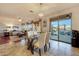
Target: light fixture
<point>9,25</point>
<point>40,14</point>
<point>20,20</point>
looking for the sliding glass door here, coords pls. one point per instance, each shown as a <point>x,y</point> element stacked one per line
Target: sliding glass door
<point>65,32</point>
<point>54,30</point>
<point>61,30</point>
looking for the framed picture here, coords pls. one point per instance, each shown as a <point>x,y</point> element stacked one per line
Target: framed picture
<point>44,23</point>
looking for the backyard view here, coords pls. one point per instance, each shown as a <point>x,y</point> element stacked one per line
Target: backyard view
<point>61,30</point>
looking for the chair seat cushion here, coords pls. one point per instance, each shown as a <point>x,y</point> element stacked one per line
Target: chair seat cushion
<point>36,45</point>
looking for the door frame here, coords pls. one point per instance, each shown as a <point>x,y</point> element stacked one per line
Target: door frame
<point>57,19</point>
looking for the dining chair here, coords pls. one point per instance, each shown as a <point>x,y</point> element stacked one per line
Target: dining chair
<point>29,38</point>
<point>47,40</point>
<point>40,43</point>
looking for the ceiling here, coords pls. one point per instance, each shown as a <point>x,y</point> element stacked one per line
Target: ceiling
<point>9,13</point>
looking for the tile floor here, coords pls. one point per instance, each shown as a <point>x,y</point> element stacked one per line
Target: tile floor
<point>56,49</point>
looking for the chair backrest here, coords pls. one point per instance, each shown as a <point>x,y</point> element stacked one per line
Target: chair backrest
<point>42,39</point>
<point>30,34</point>
<point>35,32</point>
<point>47,37</point>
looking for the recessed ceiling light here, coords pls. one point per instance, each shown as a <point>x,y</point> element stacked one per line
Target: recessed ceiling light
<point>20,20</point>
<point>41,15</point>
<point>31,11</point>
<point>41,3</point>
